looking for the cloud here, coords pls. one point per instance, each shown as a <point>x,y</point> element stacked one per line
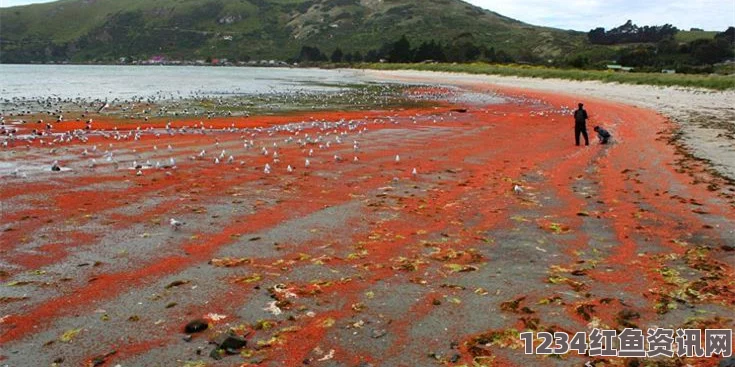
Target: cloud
<point>9,3</point>
<point>584,15</point>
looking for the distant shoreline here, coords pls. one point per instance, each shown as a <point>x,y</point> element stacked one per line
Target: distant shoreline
<point>708,81</point>
<point>281,65</point>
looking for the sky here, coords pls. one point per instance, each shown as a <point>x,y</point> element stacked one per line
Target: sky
<point>583,15</point>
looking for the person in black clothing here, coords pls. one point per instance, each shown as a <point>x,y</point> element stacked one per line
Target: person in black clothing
<point>602,134</point>
<point>580,124</point>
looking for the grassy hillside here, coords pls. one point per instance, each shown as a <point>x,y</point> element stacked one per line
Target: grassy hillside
<point>87,30</point>
<point>689,36</point>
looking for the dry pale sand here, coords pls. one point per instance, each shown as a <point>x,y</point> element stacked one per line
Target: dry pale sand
<point>706,118</point>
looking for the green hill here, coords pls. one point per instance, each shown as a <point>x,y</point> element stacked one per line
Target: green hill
<point>105,30</point>
<point>689,36</point>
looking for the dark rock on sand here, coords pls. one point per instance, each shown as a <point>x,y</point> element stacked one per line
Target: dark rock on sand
<point>196,326</point>
<point>232,342</point>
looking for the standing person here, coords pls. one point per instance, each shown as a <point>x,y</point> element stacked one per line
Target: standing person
<point>602,134</point>
<point>580,124</point>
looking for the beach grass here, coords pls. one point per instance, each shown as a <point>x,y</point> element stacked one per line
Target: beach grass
<point>713,82</point>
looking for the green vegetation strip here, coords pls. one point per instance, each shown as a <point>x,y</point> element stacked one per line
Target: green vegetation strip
<point>715,82</point>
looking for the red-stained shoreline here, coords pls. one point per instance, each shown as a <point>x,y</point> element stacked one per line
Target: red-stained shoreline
<point>386,268</point>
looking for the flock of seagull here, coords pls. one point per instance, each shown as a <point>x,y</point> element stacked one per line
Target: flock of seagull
<point>162,105</point>
<point>306,135</point>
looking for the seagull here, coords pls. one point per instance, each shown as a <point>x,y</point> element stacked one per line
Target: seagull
<point>176,224</point>
<point>230,159</point>
<point>139,173</point>
<point>55,166</point>
<point>414,172</point>
<point>289,169</point>
<point>267,168</point>
<point>216,160</point>
<point>18,173</point>
<point>103,107</point>
<point>517,189</point>
<point>398,158</point>
<point>307,163</point>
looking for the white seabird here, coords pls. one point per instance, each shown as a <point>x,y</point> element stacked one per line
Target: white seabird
<point>176,224</point>
<point>517,189</point>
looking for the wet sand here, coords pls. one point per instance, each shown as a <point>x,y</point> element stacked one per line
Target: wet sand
<point>705,119</point>
<point>347,263</point>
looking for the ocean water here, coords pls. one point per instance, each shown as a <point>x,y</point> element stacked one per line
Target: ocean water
<point>161,82</point>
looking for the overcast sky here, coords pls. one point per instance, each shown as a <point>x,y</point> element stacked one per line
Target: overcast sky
<point>583,15</point>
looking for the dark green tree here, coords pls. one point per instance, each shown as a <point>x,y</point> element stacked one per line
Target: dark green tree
<point>400,51</point>
<point>337,55</point>
<point>471,52</point>
<point>638,56</point>
<point>311,54</point>
<point>372,56</point>
<point>429,51</point>
<point>728,35</point>
<point>711,51</point>
<point>489,55</point>
<point>596,36</point>
<point>357,56</point>
<point>578,61</point>
<point>504,57</point>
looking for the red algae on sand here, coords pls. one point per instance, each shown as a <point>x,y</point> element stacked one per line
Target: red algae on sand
<point>355,259</point>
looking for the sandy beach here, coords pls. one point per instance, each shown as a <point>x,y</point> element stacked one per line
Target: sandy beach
<point>705,118</point>
<point>394,236</point>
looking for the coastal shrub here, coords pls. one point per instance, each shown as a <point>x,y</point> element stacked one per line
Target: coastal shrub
<point>715,82</point>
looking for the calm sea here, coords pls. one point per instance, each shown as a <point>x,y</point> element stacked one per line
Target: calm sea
<point>127,82</point>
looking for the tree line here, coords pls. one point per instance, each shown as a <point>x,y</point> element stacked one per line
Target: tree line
<point>401,51</point>
<point>646,48</point>
<point>631,33</point>
<point>684,56</point>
